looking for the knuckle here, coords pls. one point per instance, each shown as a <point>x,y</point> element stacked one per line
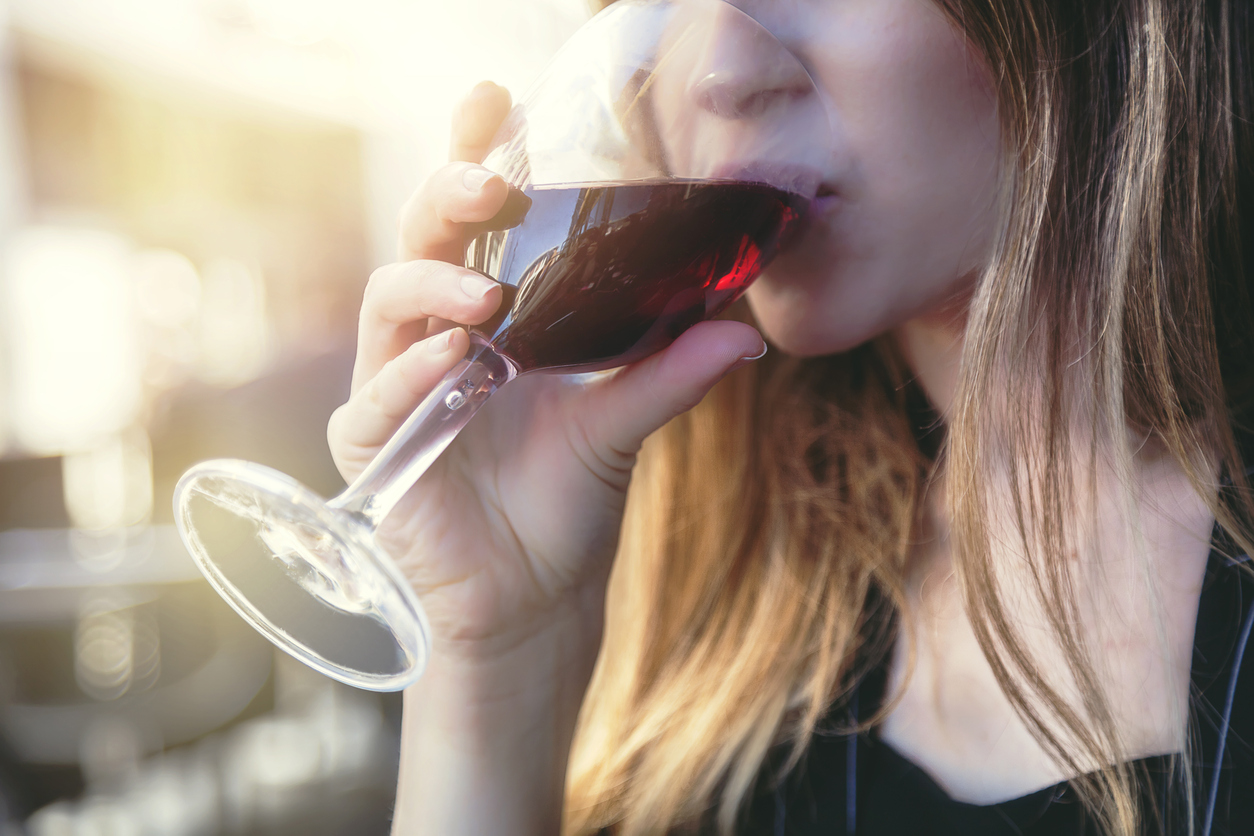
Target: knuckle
<point>414,280</point>
<point>686,402</point>
<point>372,393</point>
<point>407,219</point>
<point>446,180</point>
<point>426,201</point>
<point>422,273</point>
<point>425,280</point>
<point>335,430</point>
<point>406,210</point>
<point>441,190</point>
<point>387,394</point>
<point>378,278</point>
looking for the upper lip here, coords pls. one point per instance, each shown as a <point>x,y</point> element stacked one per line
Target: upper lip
<point>778,174</point>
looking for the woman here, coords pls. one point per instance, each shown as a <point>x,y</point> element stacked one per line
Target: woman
<point>964,506</point>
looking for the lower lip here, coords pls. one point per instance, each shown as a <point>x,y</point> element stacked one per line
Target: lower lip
<point>823,204</point>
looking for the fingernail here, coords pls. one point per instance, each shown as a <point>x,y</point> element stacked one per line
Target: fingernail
<point>440,342</point>
<point>757,356</point>
<point>482,89</point>
<point>475,178</point>
<point>476,286</point>
<point>744,361</point>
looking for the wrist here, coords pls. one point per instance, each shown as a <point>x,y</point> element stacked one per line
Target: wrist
<point>551,652</point>
<point>487,733</point>
<point>537,675</point>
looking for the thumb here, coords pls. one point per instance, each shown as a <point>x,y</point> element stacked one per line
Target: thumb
<point>642,397</point>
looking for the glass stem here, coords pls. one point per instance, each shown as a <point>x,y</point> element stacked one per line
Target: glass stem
<point>425,433</point>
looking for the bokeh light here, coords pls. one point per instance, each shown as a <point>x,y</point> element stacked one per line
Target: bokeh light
<point>74,365</point>
<point>192,196</point>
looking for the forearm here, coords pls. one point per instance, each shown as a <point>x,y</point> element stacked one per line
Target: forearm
<point>484,746</point>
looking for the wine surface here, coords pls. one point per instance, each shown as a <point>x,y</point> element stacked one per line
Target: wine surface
<point>602,275</point>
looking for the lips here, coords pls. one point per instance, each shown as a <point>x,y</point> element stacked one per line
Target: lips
<point>787,176</point>
<point>824,199</point>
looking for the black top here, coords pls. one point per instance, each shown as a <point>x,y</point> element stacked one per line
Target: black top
<point>862,787</point>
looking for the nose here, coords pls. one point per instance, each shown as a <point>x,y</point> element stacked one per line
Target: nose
<point>743,71</point>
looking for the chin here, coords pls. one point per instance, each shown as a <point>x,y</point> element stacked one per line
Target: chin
<point>802,326</point>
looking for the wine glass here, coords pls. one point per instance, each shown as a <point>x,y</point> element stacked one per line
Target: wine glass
<point>669,149</point>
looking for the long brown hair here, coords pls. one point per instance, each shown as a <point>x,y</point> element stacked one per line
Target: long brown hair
<point>763,559</point>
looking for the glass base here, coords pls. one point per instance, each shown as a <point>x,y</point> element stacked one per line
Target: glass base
<point>279,556</point>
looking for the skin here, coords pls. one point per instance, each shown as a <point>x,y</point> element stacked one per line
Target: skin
<point>509,537</point>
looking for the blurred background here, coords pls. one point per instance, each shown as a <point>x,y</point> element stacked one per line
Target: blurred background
<point>192,195</point>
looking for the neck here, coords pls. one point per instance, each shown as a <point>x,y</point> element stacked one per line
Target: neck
<point>1137,601</point>
<point>931,345</point>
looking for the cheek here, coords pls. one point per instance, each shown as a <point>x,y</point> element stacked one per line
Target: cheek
<point>916,162</point>
<point>923,138</point>
<point>930,155</point>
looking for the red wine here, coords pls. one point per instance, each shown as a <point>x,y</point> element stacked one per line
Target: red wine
<point>600,276</point>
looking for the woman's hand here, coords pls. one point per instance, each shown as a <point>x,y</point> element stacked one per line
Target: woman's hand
<point>511,532</point>
<point>508,538</point>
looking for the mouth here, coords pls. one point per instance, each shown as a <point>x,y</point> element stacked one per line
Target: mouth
<point>787,176</point>
<point>825,198</point>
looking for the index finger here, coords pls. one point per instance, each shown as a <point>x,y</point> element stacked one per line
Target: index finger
<point>476,121</point>
<point>433,221</point>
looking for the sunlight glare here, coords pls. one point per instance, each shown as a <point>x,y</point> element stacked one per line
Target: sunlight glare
<point>75,361</point>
